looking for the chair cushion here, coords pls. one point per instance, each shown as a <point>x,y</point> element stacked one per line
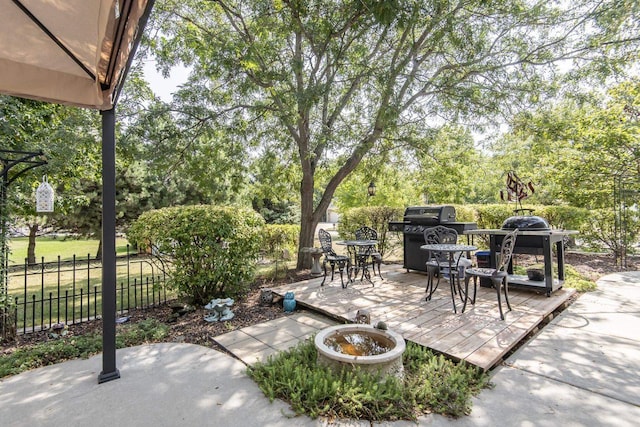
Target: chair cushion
<point>485,272</point>
<point>464,262</point>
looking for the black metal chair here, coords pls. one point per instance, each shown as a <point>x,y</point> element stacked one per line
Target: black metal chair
<point>368,233</point>
<point>499,276</point>
<point>330,256</point>
<point>438,262</point>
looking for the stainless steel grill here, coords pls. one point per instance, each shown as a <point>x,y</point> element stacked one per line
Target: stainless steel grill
<point>416,220</point>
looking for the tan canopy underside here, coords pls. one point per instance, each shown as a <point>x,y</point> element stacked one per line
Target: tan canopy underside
<point>80,62</point>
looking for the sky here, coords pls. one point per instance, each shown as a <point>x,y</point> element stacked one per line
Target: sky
<point>162,87</point>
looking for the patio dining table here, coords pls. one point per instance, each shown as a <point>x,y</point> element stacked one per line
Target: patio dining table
<point>454,254</point>
<point>359,251</point>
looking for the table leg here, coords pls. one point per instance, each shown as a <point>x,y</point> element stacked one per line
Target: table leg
<point>452,282</point>
<point>548,265</point>
<point>364,265</point>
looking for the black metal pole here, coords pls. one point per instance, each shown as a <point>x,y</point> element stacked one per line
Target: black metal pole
<point>20,162</point>
<point>4,255</point>
<point>109,370</point>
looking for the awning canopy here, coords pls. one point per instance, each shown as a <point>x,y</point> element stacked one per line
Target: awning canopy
<point>77,52</point>
<point>73,52</point>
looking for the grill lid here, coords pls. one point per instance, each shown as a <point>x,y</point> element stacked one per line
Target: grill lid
<point>430,215</point>
<point>525,222</point>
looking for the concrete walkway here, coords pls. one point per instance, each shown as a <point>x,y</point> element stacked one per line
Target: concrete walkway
<point>583,369</point>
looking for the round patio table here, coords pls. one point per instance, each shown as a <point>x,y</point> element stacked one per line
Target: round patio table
<point>359,251</point>
<point>451,250</point>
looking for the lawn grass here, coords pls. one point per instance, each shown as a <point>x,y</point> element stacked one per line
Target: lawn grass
<point>50,247</point>
<point>69,292</point>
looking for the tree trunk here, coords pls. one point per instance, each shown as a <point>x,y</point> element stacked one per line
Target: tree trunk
<point>307,235</point>
<point>307,223</point>
<point>31,249</point>
<point>309,218</point>
<point>99,254</point>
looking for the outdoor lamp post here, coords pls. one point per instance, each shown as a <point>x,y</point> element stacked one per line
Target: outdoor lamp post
<point>371,189</point>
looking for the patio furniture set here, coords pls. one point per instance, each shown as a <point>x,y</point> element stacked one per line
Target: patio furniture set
<point>445,259</point>
<point>362,253</point>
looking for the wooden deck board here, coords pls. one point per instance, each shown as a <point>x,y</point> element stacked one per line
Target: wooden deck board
<point>477,336</point>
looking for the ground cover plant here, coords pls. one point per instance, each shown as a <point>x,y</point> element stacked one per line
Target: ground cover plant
<point>431,383</point>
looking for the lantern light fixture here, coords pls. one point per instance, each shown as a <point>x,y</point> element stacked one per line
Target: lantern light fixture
<point>371,189</point>
<point>44,196</point>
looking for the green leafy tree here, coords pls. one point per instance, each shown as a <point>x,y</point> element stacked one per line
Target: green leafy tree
<point>332,83</point>
<point>181,153</point>
<point>397,185</point>
<point>69,140</point>
<point>587,154</point>
<point>579,150</point>
<point>451,171</point>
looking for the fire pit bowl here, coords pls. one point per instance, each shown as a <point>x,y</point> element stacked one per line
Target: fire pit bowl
<point>371,349</point>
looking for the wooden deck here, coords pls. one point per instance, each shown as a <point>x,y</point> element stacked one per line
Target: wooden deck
<point>477,336</point>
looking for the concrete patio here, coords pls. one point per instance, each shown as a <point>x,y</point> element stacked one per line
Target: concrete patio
<point>582,369</point>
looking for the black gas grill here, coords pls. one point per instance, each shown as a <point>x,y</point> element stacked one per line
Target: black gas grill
<point>526,244</point>
<point>416,220</point>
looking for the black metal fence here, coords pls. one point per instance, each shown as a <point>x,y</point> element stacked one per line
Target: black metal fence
<point>69,292</point>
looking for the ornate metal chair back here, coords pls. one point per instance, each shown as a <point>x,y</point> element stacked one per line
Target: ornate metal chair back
<point>325,242</point>
<point>366,233</point>
<point>506,251</point>
<point>439,235</point>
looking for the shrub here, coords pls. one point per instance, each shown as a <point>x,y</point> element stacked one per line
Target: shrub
<point>492,216</point>
<point>278,237</point>
<point>465,213</point>
<point>564,217</point>
<point>603,230</point>
<point>376,217</point>
<point>7,317</point>
<point>212,250</point>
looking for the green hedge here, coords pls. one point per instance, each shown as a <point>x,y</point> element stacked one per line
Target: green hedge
<point>279,237</point>
<point>491,217</point>
<point>376,217</point>
<point>212,249</point>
